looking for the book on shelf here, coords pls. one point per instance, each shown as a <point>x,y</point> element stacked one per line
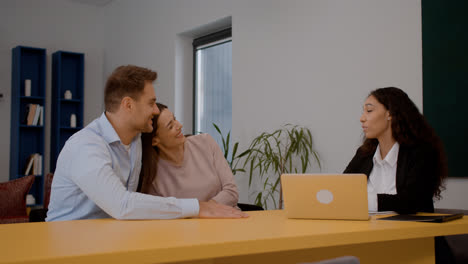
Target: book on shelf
<point>29,164</point>
<point>31,113</point>
<point>41,117</point>
<point>37,115</point>
<point>34,164</point>
<point>39,163</point>
<point>34,115</point>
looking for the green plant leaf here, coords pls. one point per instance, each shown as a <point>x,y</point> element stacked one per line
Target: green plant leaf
<point>241,170</point>
<point>226,147</point>
<point>234,150</point>
<point>251,171</point>
<point>276,183</point>
<point>309,140</point>
<point>258,199</point>
<point>217,128</point>
<point>244,153</point>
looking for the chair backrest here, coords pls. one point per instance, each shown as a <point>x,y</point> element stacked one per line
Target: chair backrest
<point>47,186</point>
<point>13,200</point>
<point>454,248</point>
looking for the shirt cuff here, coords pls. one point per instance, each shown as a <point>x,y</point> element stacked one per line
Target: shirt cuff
<point>372,202</point>
<point>190,207</point>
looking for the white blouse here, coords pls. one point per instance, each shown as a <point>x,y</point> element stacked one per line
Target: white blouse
<point>382,178</point>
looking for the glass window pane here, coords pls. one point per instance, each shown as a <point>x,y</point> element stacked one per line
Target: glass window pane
<point>213,89</point>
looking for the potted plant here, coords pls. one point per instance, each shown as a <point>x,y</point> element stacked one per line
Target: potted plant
<point>288,149</point>
<point>231,158</point>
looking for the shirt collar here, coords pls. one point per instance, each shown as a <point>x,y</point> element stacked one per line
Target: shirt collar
<point>392,155</point>
<point>108,132</point>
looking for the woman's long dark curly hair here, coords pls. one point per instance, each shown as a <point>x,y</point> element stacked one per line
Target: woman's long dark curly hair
<point>410,128</point>
<point>150,156</point>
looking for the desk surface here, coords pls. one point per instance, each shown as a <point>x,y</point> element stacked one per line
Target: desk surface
<point>191,239</point>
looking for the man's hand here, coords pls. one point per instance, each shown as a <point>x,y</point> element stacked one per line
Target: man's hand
<point>215,210</point>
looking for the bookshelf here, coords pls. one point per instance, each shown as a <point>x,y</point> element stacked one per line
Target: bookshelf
<point>67,75</point>
<point>28,63</point>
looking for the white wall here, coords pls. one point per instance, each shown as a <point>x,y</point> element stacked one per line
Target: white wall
<point>454,195</point>
<point>53,25</point>
<point>310,63</point>
<point>305,62</point>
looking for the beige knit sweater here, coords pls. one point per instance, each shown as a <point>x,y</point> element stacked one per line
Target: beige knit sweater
<point>204,174</point>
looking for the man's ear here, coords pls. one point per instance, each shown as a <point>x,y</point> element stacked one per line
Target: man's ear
<point>126,103</point>
<point>155,141</point>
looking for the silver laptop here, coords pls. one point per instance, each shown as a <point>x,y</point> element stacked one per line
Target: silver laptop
<point>325,196</point>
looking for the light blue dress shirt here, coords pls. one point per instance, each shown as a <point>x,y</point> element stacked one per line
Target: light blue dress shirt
<point>96,177</point>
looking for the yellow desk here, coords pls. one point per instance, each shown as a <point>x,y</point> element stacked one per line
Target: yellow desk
<point>265,237</point>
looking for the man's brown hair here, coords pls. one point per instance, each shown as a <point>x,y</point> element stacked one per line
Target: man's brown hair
<point>126,80</point>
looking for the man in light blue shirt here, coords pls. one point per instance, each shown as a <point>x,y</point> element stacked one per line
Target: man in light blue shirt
<point>98,169</point>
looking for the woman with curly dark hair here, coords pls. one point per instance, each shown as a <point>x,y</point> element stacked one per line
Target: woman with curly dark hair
<point>402,156</point>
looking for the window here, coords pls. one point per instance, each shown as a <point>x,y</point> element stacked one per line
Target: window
<point>213,83</point>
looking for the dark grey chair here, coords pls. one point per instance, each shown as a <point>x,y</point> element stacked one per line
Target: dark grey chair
<point>340,260</point>
<point>451,249</point>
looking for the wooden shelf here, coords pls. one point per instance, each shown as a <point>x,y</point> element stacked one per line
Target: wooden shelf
<point>27,63</point>
<point>67,74</point>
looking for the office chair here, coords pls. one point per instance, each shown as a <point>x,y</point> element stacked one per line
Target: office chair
<point>13,200</point>
<point>451,249</point>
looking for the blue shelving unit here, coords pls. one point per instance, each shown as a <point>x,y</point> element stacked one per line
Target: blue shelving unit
<point>67,74</point>
<point>27,63</point>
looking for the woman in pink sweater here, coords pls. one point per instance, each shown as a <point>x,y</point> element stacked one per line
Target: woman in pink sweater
<point>184,167</point>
